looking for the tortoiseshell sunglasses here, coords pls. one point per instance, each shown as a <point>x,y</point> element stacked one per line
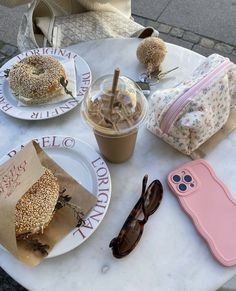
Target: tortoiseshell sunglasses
<point>132,229</point>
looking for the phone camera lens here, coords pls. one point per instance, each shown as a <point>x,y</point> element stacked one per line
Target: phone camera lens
<point>176,178</point>
<point>187,178</point>
<point>182,187</point>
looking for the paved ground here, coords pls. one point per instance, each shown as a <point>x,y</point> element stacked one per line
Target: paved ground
<point>204,26</point>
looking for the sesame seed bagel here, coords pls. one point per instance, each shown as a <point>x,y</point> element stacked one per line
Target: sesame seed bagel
<point>36,79</point>
<point>35,209</point>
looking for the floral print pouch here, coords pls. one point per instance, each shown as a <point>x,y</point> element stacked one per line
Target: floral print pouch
<point>187,115</point>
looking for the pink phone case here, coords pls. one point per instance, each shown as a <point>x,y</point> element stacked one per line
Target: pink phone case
<point>209,203</point>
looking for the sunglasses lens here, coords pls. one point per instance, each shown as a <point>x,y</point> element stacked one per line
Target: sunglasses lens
<point>132,229</point>
<point>131,237</point>
<point>153,197</point>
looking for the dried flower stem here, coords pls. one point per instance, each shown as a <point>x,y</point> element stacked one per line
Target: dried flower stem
<point>35,244</point>
<point>64,84</point>
<point>64,200</point>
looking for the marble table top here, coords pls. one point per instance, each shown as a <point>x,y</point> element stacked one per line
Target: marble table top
<point>171,255</point>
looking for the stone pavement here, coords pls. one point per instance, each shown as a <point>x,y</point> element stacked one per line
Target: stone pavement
<point>191,40</point>
<point>6,52</point>
<point>205,27</point>
<point>8,284</point>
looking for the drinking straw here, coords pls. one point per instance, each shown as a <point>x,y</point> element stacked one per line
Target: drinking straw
<point>114,86</point>
<point>115,80</point>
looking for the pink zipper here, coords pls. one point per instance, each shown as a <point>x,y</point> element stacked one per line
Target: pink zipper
<point>184,99</point>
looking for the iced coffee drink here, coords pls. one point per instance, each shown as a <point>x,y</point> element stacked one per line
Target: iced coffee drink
<point>115,116</point>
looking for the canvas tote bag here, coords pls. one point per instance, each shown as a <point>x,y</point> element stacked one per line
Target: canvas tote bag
<point>62,23</point>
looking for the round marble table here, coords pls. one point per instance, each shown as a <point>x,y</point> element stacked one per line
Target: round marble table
<point>171,255</point>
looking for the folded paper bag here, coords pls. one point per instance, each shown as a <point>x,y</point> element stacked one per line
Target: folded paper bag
<point>17,175</point>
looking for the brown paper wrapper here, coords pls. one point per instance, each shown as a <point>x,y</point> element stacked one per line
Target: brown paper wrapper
<point>216,138</point>
<point>17,175</point>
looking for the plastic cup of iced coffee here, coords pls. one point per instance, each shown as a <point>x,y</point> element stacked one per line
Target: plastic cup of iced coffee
<point>115,114</point>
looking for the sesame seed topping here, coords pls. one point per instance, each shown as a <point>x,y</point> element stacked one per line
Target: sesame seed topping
<point>37,78</point>
<point>35,209</point>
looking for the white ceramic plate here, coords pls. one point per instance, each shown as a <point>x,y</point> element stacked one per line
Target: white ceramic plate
<point>85,165</point>
<point>8,102</point>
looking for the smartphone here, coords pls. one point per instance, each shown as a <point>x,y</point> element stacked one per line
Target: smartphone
<point>209,203</point>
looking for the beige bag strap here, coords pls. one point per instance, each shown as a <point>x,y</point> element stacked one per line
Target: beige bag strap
<point>146,32</point>
<point>13,3</point>
<point>62,7</point>
<point>216,138</point>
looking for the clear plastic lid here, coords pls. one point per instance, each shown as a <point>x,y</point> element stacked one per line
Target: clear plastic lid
<point>114,113</point>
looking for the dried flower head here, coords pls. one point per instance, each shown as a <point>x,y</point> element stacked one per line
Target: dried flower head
<point>151,52</point>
